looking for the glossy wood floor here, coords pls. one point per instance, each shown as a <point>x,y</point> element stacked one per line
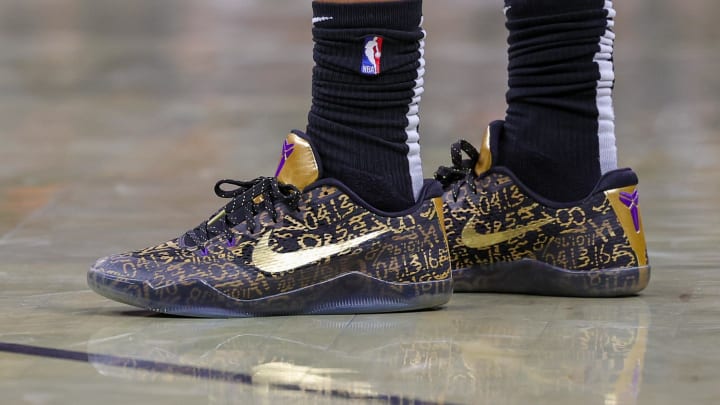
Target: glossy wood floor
<point>116,118</point>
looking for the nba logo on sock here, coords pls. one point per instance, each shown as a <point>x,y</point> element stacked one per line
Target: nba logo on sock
<point>371,57</point>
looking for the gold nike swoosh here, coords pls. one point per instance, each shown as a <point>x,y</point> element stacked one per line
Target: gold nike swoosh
<point>269,261</point>
<point>471,238</point>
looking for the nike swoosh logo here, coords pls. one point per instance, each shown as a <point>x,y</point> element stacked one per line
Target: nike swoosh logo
<point>269,261</point>
<point>471,238</point>
<point>316,20</point>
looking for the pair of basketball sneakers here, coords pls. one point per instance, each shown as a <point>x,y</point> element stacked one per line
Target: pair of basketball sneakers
<point>300,243</point>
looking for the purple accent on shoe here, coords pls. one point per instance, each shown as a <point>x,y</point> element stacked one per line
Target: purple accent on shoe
<point>632,201</point>
<point>203,252</point>
<point>231,242</point>
<point>287,150</point>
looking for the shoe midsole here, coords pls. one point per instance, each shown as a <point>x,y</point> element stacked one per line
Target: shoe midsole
<point>348,293</point>
<point>529,276</point>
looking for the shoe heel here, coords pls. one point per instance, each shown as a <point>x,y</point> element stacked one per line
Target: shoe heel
<point>625,203</point>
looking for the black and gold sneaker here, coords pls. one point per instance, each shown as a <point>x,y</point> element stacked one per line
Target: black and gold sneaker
<point>296,243</point>
<point>504,237</point>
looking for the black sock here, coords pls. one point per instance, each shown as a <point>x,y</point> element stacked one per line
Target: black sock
<point>364,115</point>
<point>559,128</point>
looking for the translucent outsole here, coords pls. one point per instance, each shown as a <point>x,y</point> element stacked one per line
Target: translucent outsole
<point>350,293</point>
<point>534,277</point>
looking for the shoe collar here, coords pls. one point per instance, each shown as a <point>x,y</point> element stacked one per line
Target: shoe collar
<point>488,147</point>
<point>299,164</point>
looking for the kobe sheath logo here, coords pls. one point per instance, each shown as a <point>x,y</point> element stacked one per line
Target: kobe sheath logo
<point>632,202</point>
<point>287,150</point>
<point>371,57</point>
<point>269,261</point>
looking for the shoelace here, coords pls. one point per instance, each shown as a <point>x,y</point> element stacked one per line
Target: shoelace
<point>248,199</point>
<point>462,171</point>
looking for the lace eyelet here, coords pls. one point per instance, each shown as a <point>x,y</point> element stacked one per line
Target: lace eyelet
<point>249,199</point>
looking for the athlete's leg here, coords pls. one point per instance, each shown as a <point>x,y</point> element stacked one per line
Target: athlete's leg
<point>559,128</point>
<point>367,85</point>
<point>317,238</point>
<point>541,208</point>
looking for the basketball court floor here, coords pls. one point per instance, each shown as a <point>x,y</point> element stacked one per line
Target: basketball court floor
<point>117,117</point>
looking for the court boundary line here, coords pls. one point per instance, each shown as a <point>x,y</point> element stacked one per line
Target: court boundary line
<point>201,373</point>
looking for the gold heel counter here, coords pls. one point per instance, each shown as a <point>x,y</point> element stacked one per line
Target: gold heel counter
<point>438,203</point>
<point>439,210</point>
<point>624,201</point>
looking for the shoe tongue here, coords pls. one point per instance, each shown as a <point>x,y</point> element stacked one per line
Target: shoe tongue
<point>298,167</point>
<point>298,164</point>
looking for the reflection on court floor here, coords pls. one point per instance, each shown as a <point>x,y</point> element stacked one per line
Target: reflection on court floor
<point>594,355</point>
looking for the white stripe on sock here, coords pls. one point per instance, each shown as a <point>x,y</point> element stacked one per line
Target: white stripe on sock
<point>413,117</point>
<point>606,114</point>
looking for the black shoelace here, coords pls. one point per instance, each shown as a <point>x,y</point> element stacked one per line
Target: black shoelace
<point>248,199</point>
<point>462,170</point>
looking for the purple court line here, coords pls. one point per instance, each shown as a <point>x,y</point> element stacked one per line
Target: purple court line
<point>190,371</point>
